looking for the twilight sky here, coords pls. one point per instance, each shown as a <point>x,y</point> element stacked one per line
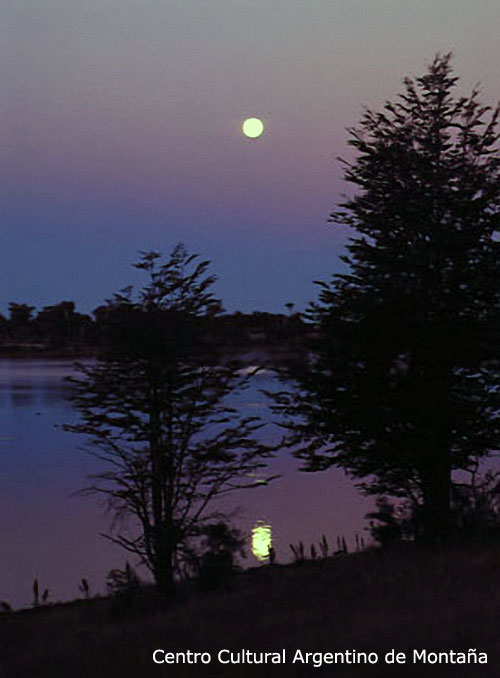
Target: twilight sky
<point>120,126</point>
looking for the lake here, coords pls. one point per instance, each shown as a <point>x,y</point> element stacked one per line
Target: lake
<point>51,532</point>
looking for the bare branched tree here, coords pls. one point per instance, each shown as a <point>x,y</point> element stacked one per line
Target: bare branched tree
<point>157,411</point>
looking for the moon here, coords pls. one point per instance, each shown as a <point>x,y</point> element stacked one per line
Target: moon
<point>252,127</point>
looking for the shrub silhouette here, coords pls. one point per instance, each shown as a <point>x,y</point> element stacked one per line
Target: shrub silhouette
<point>217,566</point>
<point>298,552</point>
<point>84,588</point>
<point>36,595</point>
<point>122,582</point>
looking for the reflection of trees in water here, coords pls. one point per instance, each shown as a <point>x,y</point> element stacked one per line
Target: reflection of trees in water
<point>55,394</point>
<point>20,397</point>
<point>36,394</point>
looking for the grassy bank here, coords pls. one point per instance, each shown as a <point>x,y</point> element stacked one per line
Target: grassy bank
<point>368,601</point>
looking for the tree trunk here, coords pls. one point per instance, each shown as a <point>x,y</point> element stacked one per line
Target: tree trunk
<point>436,510</point>
<point>163,570</point>
<point>164,573</point>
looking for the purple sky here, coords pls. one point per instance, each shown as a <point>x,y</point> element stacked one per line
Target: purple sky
<point>120,132</point>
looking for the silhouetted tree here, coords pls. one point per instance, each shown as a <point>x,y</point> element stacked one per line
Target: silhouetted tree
<point>20,321</point>
<point>402,385</point>
<point>20,314</point>
<point>156,409</point>
<point>55,323</point>
<point>59,325</point>
<point>4,327</point>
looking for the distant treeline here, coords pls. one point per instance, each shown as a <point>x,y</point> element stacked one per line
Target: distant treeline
<point>61,330</point>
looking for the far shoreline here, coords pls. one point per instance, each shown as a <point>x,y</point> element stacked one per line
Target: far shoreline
<point>248,354</point>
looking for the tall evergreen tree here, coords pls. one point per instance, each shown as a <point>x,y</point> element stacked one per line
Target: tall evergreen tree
<point>402,386</point>
<point>156,411</point>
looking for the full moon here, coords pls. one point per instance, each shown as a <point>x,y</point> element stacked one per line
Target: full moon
<point>253,128</point>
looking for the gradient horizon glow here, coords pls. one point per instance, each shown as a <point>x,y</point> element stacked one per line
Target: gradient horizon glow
<point>121,131</point>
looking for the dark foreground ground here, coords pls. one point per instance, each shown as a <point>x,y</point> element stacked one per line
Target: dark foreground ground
<point>369,602</point>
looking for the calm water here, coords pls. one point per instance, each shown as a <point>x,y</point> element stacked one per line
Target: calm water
<point>49,532</point>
